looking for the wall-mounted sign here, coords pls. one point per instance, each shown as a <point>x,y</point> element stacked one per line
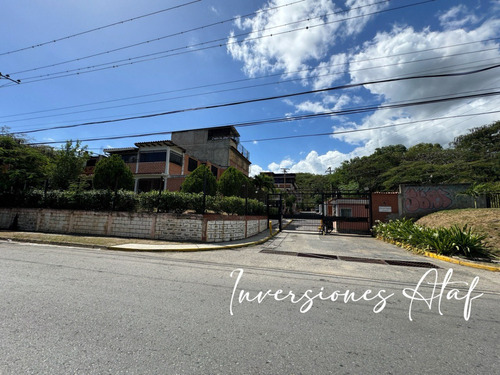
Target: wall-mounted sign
<point>384,209</point>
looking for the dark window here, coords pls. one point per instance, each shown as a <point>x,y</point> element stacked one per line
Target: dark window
<point>129,158</point>
<point>91,162</point>
<point>214,170</point>
<point>175,158</point>
<point>346,212</point>
<point>146,157</point>
<point>192,165</point>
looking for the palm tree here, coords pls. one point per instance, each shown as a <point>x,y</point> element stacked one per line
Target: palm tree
<point>263,182</point>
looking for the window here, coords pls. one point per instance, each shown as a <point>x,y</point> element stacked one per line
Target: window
<point>175,158</point>
<point>146,157</point>
<point>129,158</point>
<point>192,165</point>
<point>346,212</point>
<point>214,170</point>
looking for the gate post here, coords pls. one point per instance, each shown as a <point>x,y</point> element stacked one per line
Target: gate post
<point>280,212</point>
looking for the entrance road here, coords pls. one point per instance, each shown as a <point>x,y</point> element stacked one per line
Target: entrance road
<point>71,310</point>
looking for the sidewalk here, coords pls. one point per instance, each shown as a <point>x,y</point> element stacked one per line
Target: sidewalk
<point>127,244</point>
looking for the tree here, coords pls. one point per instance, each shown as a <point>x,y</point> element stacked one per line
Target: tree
<point>263,182</point>
<point>197,179</point>
<point>112,174</point>
<point>69,165</point>
<point>233,183</point>
<point>22,166</point>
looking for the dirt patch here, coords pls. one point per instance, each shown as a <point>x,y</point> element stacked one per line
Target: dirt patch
<point>92,241</point>
<point>481,220</point>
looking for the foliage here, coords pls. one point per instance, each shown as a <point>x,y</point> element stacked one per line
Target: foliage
<point>201,176</point>
<point>113,174</point>
<point>94,200</point>
<point>474,157</point>
<point>22,166</point>
<point>446,241</point>
<point>69,165</point>
<point>263,182</point>
<point>233,183</point>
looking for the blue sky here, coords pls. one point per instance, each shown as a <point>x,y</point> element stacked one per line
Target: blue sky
<point>207,55</point>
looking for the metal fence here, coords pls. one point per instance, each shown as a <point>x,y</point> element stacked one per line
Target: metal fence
<point>493,200</point>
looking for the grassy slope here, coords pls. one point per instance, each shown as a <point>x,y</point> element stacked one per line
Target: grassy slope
<point>482,220</point>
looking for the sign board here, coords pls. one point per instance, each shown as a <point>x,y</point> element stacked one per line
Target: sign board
<point>384,209</point>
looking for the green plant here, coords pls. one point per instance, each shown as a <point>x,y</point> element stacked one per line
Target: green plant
<point>446,241</point>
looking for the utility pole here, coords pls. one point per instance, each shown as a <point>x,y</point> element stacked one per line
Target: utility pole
<point>329,170</point>
<point>284,176</point>
<point>6,76</point>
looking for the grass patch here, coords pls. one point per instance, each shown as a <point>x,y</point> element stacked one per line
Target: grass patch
<point>484,221</point>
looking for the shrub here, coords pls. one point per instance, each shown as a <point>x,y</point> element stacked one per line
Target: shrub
<point>446,241</point>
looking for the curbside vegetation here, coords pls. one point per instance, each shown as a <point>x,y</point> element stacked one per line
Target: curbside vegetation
<point>122,200</point>
<point>440,243</point>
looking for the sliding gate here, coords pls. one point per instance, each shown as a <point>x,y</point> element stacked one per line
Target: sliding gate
<point>332,212</point>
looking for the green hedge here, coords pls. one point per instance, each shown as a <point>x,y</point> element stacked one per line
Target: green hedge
<point>446,241</point>
<point>102,200</point>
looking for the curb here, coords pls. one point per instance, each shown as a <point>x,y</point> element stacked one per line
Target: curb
<point>189,249</point>
<point>493,268</point>
<point>462,262</point>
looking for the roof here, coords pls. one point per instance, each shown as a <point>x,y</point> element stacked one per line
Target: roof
<point>122,149</point>
<point>158,143</point>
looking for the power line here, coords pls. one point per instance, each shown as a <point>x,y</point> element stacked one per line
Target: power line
<point>189,49</point>
<point>256,100</point>
<point>269,76</point>
<point>263,84</point>
<point>262,122</point>
<point>162,37</point>
<point>98,28</point>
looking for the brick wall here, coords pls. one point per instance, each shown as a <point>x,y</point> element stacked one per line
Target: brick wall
<point>169,227</point>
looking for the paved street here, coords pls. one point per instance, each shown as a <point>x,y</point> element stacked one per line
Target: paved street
<point>87,311</point>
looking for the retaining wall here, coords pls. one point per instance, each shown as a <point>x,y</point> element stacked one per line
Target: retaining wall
<point>168,227</point>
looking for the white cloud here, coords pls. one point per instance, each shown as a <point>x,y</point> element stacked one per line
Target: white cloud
<point>436,56</point>
<point>288,51</point>
<point>255,170</point>
<point>401,52</point>
<point>457,17</point>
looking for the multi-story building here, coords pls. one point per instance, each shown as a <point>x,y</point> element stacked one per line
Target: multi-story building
<point>164,165</point>
<point>283,181</point>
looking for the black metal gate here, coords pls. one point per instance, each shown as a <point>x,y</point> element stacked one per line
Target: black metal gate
<point>331,212</point>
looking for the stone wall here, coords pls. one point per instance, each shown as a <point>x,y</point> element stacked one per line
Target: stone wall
<point>168,227</point>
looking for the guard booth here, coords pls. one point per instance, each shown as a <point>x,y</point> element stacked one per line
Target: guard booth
<point>322,212</point>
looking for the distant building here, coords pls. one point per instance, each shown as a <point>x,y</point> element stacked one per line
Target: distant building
<point>164,165</point>
<point>283,181</point>
<point>220,146</point>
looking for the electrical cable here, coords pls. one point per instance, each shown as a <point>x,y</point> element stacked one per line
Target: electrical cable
<point>275,138</point>
<point>147,57</point>
<point>273,75</point>
<point>97,28</point>
<point>256,100</point>
<point>162,37</point>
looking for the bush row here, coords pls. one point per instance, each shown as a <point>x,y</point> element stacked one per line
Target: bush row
<point>445,241</point>
<point>105,200</point>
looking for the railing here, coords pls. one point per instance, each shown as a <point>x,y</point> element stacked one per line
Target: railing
<point>243,151</point>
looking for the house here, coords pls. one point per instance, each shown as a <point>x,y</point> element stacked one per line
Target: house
<point>283,181</point>
<point>164,165</point>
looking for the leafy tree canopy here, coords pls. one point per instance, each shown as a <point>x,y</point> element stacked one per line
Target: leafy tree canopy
<point>194,182</point>
<point>233,183</point>
<point>69,165</point>
<point>22,166</point>
<point>113,174</point>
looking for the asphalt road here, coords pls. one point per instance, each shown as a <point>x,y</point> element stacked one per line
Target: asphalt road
<point>81,311</point>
